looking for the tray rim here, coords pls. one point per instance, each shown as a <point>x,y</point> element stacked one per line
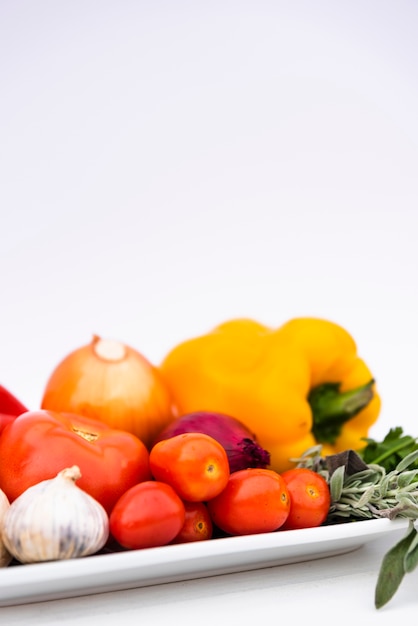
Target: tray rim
<point>101,573</point>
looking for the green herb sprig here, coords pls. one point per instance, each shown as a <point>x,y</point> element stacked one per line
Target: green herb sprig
<point>368,491</point>
<point>361,490</point>
<point>401,559</point>
<point>388,452</point>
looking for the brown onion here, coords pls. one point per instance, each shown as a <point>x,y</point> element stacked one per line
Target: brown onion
<point>240,443</point>
<point>111,382</point>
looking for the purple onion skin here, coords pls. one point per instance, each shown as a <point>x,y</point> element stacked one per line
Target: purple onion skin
<point>240,443</point>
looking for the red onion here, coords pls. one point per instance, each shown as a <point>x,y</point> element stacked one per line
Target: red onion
<point>239,442</point>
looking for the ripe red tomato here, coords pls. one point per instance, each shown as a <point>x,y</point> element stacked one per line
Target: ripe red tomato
<point>5,419</point>
<point>39,444</point>
<point>194,464</point>
<point>310,498</point>
<point>254,501</point>
<point>9,404</point>
<point>10,407</point>
<point>197,524</point>
<point>147,515</point>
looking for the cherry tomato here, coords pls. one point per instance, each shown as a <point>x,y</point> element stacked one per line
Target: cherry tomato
<point>197,525</point>
<point>194,464</point>
<point>39,444</point>
<point>149,514</point>
<point>310,498</point>
<point>254,501</point>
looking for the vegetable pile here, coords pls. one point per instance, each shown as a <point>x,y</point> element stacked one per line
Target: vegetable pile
<point>244,430</point>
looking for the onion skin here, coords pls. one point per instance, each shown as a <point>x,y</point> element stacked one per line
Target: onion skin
<point>240,443</point>
<point>113,383</point>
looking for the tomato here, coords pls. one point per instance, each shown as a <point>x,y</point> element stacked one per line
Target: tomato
<point>9,404</point>
<point>310,498</point>
<point>39,444</point>
<point>194,464</point>
<point>254,501</point>
<point>197,525</point>
<point>147,515</point>
<point>5,419</point>
<point>10,407</point>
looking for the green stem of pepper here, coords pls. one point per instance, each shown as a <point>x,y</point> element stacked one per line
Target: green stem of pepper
<point>331,409</point>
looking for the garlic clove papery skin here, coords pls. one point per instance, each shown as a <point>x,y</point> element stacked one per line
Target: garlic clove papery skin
<point>5,556</point>
<point>55,520</point>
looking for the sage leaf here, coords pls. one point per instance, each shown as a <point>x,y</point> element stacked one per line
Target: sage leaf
<point>365,497</point>
<point>392,569</point>
<point>336,483</point>
<point>407,477</point>
<point>411,557</point>
<point>407,461</point>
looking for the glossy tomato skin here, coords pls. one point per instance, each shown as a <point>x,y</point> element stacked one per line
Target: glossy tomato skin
<point>10,407</point>
<point>9,404</point>
<point>149,514</point>
<point>197,524</point>
<point>39,444</point>
<point>5,419</point>
<point>310,498</point>
<point>194,464</point>
<point>254,501</point>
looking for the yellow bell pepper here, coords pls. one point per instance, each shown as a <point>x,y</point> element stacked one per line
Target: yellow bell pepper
<point>294,386</point>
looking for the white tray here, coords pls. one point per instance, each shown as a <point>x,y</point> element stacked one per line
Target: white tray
<point>22,584</point>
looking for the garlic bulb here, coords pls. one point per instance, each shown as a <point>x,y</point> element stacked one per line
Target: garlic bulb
<point>55,520</point>
<point>5,556</point>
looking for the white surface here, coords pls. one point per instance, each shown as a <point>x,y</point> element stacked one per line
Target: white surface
<point>165,166</point>
<point>332,588</point>
<point>134,569</point>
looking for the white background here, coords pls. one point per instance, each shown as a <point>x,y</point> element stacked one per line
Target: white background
<point>165,166</point>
